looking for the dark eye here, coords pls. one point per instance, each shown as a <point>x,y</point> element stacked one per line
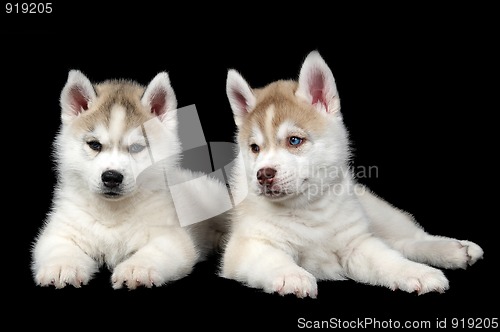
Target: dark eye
<point>255,148</point>
<point>136,148</point>
<point>295,141</point>
<point>95,145</point>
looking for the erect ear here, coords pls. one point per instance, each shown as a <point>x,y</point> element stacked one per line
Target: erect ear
<point>76,96</point>
<point>159,97</point>
<point>240,95</point>
<point>317,85</point>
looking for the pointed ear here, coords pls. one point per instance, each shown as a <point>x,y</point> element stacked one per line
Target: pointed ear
<point>317,85</point>
<point>159,97</point>
<point>76,96</point>
<point>240,95</point>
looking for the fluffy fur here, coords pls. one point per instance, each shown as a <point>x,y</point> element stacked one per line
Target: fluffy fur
<point>116,152</point>
<point>305,218</point>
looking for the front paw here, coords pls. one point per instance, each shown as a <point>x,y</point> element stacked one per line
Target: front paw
<point>134,274</point>
<point>421,279</point>
<point>65,271</point>
<point>294,280</point>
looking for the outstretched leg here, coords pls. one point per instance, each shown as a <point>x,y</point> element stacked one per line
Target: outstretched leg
<point>372,261</point>
<point>401,232</point>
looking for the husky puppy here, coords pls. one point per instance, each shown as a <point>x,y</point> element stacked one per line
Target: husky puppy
<point>305,218</point>
<point>115,152</point>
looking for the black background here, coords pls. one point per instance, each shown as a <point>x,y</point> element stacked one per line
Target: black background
<point>417,97</point>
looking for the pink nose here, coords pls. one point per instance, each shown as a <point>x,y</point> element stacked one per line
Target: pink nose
<point>266,176</point>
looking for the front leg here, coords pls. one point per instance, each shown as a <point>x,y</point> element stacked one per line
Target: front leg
<point>261,264</point>
<point>58,261</point>
<point>168,256</point>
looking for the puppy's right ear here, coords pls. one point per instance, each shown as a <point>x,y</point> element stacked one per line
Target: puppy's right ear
<point>240,95</point>
<point>76,96</point>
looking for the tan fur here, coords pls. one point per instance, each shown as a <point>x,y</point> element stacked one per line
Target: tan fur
<point>280,97</point>
<point>115,92</point>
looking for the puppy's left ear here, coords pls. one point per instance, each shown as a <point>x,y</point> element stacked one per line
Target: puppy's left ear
<point>159,97</point>
<point>317,85</point>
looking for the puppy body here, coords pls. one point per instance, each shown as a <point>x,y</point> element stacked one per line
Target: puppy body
<point>305,218</point>
<point>117,153</point>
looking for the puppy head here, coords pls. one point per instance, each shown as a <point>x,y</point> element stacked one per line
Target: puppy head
<point>292,139</point>
<point>114,130</point>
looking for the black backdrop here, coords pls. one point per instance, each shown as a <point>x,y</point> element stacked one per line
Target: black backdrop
<point>416,96</point>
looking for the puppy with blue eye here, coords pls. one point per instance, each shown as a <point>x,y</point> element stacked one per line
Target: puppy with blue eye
<point>302,216</point>
<point>117,152</point>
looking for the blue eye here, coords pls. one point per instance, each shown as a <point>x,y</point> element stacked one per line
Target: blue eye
<point>136,148</point>
<point>295,141</point>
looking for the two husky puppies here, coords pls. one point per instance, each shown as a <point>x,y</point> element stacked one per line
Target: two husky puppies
<point>303,217</point>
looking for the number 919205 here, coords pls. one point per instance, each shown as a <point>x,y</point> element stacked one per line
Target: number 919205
<point>28,8</point>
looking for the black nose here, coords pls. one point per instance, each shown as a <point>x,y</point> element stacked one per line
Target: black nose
<point>111,179</point>
<point>266,176</point>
